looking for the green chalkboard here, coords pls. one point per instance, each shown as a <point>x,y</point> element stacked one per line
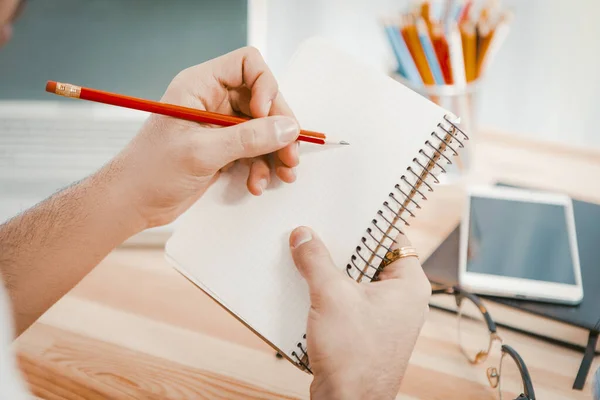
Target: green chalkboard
<point>133,47</point>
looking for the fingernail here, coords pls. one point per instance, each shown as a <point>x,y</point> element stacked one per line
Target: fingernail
<point>300,236</point>
<point>286,130</point>
<point>293,171</point>
<point>262,184</point>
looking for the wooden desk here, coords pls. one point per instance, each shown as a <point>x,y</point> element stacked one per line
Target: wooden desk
<point>136,329</point>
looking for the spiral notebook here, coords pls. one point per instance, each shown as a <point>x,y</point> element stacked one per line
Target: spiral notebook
<point>234,246</point>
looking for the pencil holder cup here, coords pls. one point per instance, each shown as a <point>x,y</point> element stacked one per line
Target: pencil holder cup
<point>461,101</point>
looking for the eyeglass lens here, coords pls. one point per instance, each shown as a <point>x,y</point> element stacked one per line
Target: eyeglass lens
<point>473,333</point>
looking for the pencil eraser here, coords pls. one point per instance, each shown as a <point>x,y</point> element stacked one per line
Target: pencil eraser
<point>51,87</point>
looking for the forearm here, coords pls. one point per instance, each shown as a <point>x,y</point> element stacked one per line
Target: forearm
<point>47,250</point>
<point>357,386</point>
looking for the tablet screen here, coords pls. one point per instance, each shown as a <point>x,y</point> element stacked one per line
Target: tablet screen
<point>520,240</point>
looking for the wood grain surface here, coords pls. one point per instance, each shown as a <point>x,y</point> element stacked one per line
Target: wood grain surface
<point>136,329</point>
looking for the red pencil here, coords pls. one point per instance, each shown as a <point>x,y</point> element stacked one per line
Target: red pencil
<point>440,45</point>
<point>464,14</point>
<point>170,110</point>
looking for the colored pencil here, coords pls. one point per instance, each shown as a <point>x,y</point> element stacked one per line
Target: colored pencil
<point>456,55</point>
<point>430,54</point>
<point>405,60</point>
<point>484,36</point>
<point>469,45</point>
<point>440,44</point>
<point>170,110</point>
<point>498,36</point>
<point>449,42</point>
<point>411,37</point>
<point>464,15</point>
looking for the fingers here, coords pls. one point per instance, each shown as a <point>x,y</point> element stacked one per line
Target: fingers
<point>259,176</point>
<point>239,99</point>
<point>404,268</point>
<point>312,258</point>
<point>289,155</point>
<point>250,139</point>
<point>252,90</point>
<point>285,173</point>
<point>284,160</point>
<point>247,67</point>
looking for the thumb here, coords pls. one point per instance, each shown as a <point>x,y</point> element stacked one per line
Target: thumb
<point>250,139</point>
<point>312,258</point>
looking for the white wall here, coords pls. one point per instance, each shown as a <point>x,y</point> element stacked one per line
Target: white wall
<point>545,81</point>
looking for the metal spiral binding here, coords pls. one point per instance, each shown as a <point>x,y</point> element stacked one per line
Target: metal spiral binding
<point>302,357</point>
<point>366,262</point>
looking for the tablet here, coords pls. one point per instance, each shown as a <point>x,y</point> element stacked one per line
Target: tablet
<point>519,243</point>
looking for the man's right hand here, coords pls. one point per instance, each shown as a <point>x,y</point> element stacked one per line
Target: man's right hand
<point>171,163</point>
<point>360,337</point>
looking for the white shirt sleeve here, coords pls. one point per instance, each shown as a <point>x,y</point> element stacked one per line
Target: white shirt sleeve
<point>11,382</point>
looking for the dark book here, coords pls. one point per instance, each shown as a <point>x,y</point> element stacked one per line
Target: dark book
<point>577,325</point>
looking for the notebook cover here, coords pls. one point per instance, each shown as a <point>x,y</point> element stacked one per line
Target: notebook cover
<point>442,267</point>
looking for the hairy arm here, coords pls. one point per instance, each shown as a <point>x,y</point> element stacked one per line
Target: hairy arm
<point>47,250</point>
<point>168,165</point>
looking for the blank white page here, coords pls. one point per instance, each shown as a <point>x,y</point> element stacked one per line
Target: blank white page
<point>235,246</point>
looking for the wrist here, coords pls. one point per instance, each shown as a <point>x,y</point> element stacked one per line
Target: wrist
<point>353,386</point>
<point>336,387</point>
<point>118,195</point>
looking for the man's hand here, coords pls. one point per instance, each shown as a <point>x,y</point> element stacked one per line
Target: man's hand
<point>172,162</point>
<point>360,336</point>
<point>46,251</point>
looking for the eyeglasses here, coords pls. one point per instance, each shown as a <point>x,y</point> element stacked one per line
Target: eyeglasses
<point>476,336</point>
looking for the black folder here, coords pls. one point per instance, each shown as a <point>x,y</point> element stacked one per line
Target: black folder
<point>442,267</point>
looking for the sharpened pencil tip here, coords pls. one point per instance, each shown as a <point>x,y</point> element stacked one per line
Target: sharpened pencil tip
<point>335,142</point>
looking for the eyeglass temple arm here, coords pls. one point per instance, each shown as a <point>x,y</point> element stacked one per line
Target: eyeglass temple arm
<point>444,289</point>
<point>460,294</point>
<point>527,383</point>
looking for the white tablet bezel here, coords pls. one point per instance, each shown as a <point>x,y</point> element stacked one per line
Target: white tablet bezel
<point>518,287</point>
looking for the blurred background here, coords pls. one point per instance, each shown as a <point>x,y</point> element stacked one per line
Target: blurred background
<point>128,46</point>
<point>542,84</point>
